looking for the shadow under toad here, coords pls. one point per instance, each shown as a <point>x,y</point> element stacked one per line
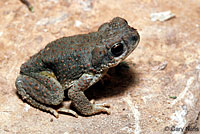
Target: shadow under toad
<point>117,81</point>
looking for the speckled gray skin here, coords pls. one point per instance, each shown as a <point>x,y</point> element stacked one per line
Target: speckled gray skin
<point>75,63</point>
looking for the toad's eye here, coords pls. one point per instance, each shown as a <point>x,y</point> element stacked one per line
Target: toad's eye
<point>117,49</point>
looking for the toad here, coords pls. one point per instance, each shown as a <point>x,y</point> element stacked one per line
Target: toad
<point>74,64</point>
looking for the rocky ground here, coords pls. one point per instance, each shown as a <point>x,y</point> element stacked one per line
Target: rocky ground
<point>158,93</point>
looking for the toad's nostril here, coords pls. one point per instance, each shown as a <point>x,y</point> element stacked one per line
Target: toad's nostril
<point>134,38</point>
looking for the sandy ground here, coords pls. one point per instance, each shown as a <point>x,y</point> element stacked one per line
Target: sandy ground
<point>158,93</point>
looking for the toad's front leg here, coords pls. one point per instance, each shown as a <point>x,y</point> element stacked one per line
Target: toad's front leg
<point>80,101</point>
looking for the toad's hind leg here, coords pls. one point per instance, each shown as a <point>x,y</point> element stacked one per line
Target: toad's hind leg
<point>40,91</point>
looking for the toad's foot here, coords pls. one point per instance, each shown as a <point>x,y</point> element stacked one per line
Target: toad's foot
<point>103,106</point>
<point>97,108</point>
<point>68,111</point>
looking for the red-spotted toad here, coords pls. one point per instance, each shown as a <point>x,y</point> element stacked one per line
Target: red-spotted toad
<point>75,63</point>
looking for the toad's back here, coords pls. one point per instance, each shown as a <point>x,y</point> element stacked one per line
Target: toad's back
<point>67,57</point>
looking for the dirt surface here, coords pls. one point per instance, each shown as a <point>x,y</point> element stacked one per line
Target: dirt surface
<point>158,92</point>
